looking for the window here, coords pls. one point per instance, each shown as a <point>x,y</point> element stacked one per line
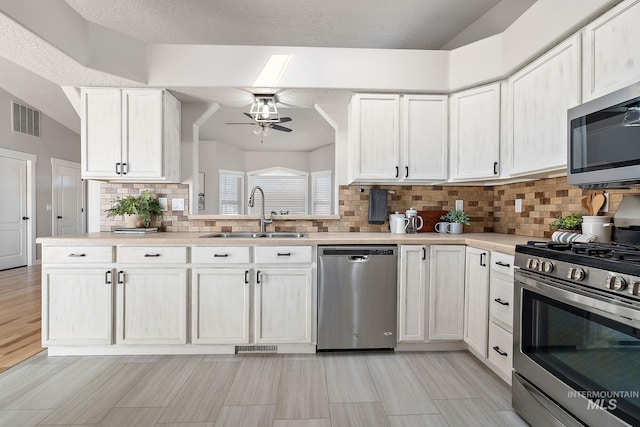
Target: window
<point>231,192</point>
<point>286,190</point>
<point>321,193</point>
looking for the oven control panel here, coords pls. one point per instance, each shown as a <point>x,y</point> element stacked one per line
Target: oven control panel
<point>596,278</point>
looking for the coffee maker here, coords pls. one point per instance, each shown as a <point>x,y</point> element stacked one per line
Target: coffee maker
<point>414,222</point>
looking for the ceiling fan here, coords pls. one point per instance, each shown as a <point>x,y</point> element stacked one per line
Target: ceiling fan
<point>264,114</point>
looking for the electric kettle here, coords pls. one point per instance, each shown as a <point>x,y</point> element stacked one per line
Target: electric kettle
<point>414,222</point>
<point>397,223</point>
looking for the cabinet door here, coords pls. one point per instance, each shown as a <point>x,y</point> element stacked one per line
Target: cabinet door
<point>611,52</point>
<point>539,97</point>
<point>424,137</point>
<point>412,289</point>
<point>101,133</point>
<point>77,306</point>
<point>446,292</point>
<point>220,306</point>
<point>476,297</point>
<point>142,133</point>
<point>152,306</point>
<point>376,136</point>
<point>283,306</point>
<point>475,133</point>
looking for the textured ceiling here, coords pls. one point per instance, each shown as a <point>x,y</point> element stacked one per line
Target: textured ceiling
<point>405,24</point>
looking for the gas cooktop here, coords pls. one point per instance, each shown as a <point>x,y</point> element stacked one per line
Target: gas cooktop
<point>610,267</point>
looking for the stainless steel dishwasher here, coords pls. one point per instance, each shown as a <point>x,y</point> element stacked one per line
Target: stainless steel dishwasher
<point>357,297</point>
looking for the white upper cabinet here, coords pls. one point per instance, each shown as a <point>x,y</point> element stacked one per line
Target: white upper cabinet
<point>424,138</point>
<point>383,150</point>
<point>539,96</point>
<point>475,133</point>
<point>130,135</point>
<point>375,123</point>
<point>611,52</point>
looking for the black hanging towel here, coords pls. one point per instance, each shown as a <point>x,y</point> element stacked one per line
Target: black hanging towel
<point>377,206</point>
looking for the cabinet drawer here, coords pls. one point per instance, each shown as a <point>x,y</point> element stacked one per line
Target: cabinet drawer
<point>220,255</point>
<point>77,254</point>
<point>283,254</point>
<point>502,264</point>
<point>152,255</point>
<point>501,302</point>
<point>500,348</point>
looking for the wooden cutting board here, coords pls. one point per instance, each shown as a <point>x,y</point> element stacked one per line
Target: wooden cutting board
<point>429,219</point>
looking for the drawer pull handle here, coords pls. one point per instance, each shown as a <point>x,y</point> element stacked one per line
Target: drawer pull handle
<point>499,301</point>
<point>107,277</point>
<point>424,253</point>
<point>220,255</point>
<point>151,255</point>
<point>121,277</point>
<point>502,264</point>
<point>77,255</point>
<point>500,352</point>
<point>284,253</point>
<point>258,276</point>
<point>483,261</point>
<point>246,277</point>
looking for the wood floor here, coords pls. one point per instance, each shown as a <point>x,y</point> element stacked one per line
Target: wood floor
<point>323,390</point>
<point>19,315</point>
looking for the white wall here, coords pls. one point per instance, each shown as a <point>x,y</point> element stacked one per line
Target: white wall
<point>55,141</point>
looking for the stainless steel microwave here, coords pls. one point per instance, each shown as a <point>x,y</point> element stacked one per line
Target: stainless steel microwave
<point>604,141</point>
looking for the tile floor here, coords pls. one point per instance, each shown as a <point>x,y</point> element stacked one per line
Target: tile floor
<point>324,390</point>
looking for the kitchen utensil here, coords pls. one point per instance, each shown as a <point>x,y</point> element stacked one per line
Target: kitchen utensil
<point>596,204</point>
<point>585,204</point>
<point>414,223</point>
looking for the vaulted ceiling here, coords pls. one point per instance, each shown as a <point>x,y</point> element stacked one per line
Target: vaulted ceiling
<point>407,24</point>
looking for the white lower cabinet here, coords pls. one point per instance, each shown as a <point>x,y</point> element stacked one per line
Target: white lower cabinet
<point>77,306</point>
<point>412,293</point>
<point>476,304</point>
<point>446,292</point>
<point>151,306</point>
<point>283,306</point>
<point>220,300</point>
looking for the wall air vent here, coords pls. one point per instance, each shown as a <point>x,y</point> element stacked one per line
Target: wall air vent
<point>25,120</point>
<point>244,349</point>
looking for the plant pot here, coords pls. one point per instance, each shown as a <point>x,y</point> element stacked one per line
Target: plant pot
<point>455,227</point>
<point>132,221</point>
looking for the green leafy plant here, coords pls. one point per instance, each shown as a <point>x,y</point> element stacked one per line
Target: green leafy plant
<point>456,215</point>
<point>570,222</point>
<point>143,205</point>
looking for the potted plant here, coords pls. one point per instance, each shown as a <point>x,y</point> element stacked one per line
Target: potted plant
<point>137,210</point>
<point>571,222</point>
<point>456,218</point>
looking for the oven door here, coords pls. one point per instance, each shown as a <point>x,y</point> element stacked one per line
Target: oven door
<point>579,348</point>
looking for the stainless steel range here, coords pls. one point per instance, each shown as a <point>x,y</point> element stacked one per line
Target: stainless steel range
<point>577,334</point>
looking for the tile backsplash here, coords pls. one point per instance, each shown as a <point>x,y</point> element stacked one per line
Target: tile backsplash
<point>490,208</point>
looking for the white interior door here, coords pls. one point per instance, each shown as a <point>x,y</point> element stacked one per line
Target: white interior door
<point>13,213</point>
<point>68,198</point>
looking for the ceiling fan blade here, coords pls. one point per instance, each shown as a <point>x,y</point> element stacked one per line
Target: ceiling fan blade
<point>281,128</point>
<point>238,123</point>
<point>249,115</point>
<point>285,119</point>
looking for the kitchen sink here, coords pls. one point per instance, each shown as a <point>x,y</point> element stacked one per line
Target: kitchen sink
<point>241,235</point>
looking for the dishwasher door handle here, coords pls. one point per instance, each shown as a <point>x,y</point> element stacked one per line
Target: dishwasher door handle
<point>358,258</point>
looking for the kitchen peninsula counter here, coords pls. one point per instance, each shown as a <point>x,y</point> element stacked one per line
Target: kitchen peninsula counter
<point>489,241</point>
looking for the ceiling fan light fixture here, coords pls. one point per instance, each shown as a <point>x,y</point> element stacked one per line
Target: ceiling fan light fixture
<point>264,110</point>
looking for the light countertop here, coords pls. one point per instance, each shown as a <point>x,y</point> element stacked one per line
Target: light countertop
<point>489,241</point>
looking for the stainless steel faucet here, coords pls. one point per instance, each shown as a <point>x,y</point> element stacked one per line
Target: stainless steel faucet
<point>263,221</point>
